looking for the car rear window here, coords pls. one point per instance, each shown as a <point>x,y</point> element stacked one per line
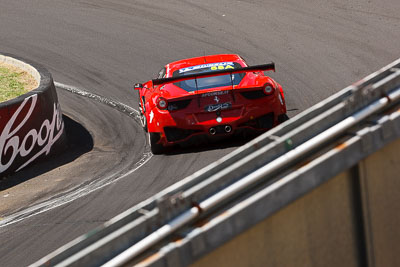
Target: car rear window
<point>208,82</point>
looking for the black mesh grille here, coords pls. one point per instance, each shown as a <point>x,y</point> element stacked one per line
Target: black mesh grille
<point>176,134</point>
<point>176,105</point>
<point>253,94</point>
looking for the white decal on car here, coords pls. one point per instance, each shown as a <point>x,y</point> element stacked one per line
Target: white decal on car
<point>280,99</point>
<point>151,116</point>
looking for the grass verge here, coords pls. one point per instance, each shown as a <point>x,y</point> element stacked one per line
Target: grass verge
<point>14,82</point>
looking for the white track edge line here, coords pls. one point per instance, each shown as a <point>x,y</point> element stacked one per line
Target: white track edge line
<point>78,191</point>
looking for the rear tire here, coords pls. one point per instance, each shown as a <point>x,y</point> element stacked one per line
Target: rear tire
<point>143,122</point>
<point>282,118</point>
<point>142,117</point>
<point>156,149</point>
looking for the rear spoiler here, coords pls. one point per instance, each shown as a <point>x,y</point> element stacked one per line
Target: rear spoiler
<point>264,67</point>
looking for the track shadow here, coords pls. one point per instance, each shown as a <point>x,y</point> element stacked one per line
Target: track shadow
<point>206,145</point>
<point>79,142</point>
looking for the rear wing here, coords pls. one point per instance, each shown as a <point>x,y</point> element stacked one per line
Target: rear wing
<point>264,67</point>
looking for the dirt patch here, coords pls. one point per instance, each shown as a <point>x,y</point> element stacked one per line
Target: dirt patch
<point>14,82</point>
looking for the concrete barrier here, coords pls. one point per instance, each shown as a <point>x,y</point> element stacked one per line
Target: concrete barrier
<point>31,125</point>
<point>351,220</point>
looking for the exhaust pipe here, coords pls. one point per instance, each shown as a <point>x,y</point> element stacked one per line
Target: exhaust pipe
<point>212,131</point>
<point>228,128</point>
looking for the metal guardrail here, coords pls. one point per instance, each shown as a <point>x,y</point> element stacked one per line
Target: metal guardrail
<point>131,233</point>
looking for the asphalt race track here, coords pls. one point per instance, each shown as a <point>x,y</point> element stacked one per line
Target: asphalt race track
<point>104,46</point>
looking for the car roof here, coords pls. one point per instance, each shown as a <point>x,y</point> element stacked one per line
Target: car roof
<point>173,66</point>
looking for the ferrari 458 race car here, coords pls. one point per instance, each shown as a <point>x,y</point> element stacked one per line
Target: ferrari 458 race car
<point>210,96</point>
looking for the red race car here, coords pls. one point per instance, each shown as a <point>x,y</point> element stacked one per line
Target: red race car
<point>210,96</point>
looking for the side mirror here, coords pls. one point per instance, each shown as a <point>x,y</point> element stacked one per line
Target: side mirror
<point>138,86</point>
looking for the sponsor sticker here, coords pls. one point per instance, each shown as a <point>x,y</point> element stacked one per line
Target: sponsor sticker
<point>210,66</point>
<point>216,107</point>
<point>215,93</point>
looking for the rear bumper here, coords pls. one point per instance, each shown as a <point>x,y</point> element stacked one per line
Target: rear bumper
<point>182,125</point>
<point>177,135</point>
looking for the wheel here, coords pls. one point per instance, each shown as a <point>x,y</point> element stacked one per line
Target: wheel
<point>156,149</point>
<point>283,117</point>
<point>142,117</point>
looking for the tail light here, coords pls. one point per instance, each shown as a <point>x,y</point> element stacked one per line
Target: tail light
<point>162,103</point>
<point>268,89</point>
